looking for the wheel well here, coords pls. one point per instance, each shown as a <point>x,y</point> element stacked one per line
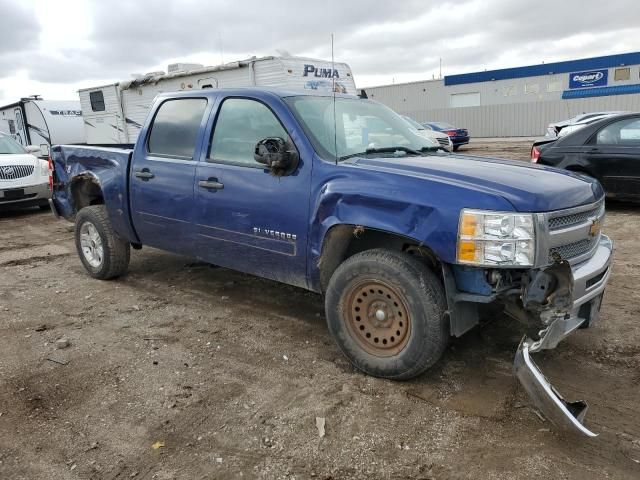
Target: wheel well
<point>344,241</point>
<point>86,191</point>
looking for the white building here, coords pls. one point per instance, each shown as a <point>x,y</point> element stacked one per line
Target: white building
<point>520,101</point>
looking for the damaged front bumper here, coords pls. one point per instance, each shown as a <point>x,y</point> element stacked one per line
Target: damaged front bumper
<point>585,288</point>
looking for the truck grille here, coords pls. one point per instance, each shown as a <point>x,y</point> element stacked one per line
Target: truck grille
<point>444,142</point>
<point>574,234</point>
<point>573,250</point>
<point>11,172</point>
<point>573,219</point>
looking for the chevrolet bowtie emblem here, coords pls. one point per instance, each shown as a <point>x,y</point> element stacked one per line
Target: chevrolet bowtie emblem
<point>595,228</point>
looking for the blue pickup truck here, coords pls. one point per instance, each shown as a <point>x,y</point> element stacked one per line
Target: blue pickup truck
<point>408,244</point>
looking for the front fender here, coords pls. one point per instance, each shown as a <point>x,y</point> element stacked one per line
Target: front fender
<point>424,225</point>
<point>423,210</point>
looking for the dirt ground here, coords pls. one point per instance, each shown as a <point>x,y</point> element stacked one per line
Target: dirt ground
<point>226,374</point>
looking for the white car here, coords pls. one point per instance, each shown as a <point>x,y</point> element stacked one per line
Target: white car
<point>443,139</point>
<point>554,129</point>
<point>24,178</point>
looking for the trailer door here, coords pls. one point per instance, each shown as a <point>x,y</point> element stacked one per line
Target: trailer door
<point>21,132</point>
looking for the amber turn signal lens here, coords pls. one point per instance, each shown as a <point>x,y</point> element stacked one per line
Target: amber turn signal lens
<point>467,251</point>
<point>468,225</point>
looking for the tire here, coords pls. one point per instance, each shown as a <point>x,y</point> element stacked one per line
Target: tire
<point>92,225</point>
<point>44,206</point>
<point>456,147</point>
<point>411,333</point>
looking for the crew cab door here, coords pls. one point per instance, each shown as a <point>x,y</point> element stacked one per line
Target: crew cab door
<point>162,175</point>
<point>247,219</point>
<point>614,157</point>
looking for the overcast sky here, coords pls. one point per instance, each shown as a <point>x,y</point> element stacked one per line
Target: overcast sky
<point>54,47</point>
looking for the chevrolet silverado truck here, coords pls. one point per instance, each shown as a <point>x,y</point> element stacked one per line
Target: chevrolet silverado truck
<point>408,244</point>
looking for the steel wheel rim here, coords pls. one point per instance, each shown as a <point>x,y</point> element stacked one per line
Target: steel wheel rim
<point>91,244</point>
<point>377,318</point>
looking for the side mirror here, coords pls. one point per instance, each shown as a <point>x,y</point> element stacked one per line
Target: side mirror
<point>33,149</point>
<point>44,150</point>
<point>279,156</point>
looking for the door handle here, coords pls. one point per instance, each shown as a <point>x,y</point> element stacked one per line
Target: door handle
<point>211,184</point>
<point>144,174</point>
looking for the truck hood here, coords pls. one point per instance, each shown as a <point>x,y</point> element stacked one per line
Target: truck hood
<point>529,188</point>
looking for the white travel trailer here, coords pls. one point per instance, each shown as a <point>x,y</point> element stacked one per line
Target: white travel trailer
<point>114,114</point>
<point>34,121</point>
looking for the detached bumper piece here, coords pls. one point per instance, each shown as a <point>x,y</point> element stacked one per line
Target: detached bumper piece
<point>583,285</point>
<point>564,415</point>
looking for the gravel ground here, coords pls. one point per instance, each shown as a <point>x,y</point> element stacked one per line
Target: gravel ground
<point>184,370</point>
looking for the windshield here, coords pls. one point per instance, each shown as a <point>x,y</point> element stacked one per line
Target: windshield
<point>9,146</point>
<point>413,123</point>
<point>570,129</point>
<point>360,127</point>
<point>443,125</point>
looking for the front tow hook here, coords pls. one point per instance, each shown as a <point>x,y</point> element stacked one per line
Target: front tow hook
<point>564,415</point>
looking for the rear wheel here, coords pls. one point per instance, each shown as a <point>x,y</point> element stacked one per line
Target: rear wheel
<point>456,147</point>
<point>386,311</point>
<point>103,254</point>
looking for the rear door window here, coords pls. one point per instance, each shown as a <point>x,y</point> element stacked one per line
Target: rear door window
<point>175,128</point>
<point>623,133</point>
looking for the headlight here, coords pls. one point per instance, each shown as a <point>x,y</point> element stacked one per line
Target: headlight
<point>44,168</point>
<point>494,238</point>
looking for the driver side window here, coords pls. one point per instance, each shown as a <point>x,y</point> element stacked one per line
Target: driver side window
<point>240,125</point>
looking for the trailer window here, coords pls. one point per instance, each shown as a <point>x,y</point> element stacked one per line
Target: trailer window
<point>97,101</point>
<point>176,126</point>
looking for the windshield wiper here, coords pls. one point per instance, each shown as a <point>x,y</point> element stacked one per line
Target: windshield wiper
<point>393,150</point>
<point>410,151</point>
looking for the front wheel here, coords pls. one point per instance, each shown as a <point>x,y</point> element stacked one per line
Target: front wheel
<point>386,311</point>
<point>103,254</point>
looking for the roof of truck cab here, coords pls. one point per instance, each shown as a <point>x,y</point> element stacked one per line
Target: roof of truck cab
<point>278,92</point>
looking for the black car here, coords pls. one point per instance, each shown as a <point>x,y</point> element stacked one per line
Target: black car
<point>608,150</point>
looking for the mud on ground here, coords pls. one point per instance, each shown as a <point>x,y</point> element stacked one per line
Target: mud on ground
<point>226,374</point>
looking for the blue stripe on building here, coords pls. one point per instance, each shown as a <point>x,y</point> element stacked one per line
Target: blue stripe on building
<point>608,61</point>
<point>601,91</point>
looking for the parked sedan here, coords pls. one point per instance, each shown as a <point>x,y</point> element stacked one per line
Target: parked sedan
<point>608,150</point>
<point>24,179</point>
<point>458,136</point>
<point>443,140</point>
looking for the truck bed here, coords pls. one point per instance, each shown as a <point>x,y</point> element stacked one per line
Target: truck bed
<point>107,168</point>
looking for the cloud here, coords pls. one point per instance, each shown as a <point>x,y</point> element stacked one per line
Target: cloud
<point>19,29</point>
<point>379,39</point>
